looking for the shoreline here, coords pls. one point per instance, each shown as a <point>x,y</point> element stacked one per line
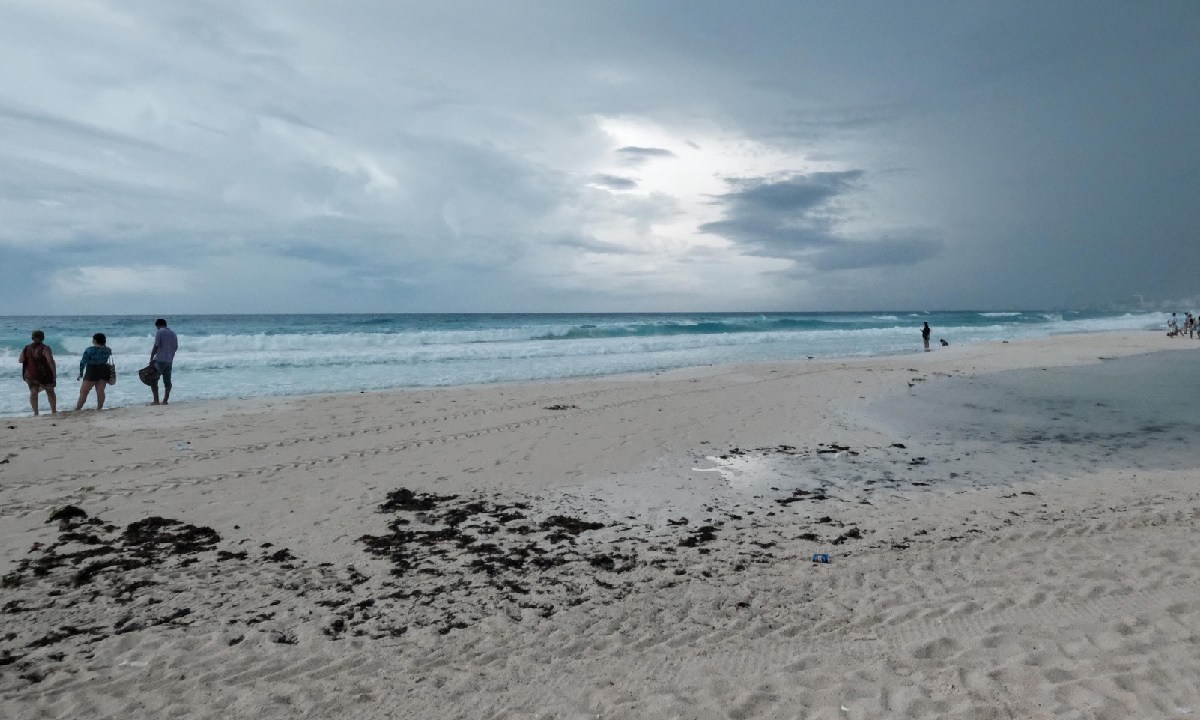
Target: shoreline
<point>288,358</point>
<point>983,353</point>
<point>604,527</point>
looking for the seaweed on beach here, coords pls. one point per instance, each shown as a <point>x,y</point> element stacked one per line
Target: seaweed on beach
<point>67,514</point>
<point>702,534</point>
<point>80,588</point>
<point>91,566</point>
<point>834,448</point>
<point>446,536</point>
<point>851,534</point>
<point>405,499</point>
<point>449,562</point>
<point>569,525</point>
<point>801,494</point>
<point>157,536</point>
<point>88,550</point>
<point>455,559</point>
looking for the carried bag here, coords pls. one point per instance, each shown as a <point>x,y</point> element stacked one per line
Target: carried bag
<point>112,373</point>
<point>42,372</point>
<point>148,374</point>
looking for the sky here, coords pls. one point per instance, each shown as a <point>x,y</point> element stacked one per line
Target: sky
<point>218,156</point>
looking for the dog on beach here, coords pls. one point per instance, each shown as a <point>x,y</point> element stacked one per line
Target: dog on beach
<point>944,343</point>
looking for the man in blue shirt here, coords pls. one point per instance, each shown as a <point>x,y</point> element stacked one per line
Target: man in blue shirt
<point>162,355</point>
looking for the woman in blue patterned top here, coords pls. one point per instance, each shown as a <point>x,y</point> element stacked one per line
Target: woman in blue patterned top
<point>95,371</point>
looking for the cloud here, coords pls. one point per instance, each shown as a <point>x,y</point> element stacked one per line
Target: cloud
<point>796,194</point>
<point>599,247</point>
<point>645,152</point>
<point>632,155</point>
<point>796,217</point>
<point>98,283</point>
<point>614,182</point>
<point>862,254</point>
<point>64,127</point>
<point>469,156</point>
<point>786,217</point>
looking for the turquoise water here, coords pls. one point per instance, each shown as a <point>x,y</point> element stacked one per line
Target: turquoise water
<point>237,356</point>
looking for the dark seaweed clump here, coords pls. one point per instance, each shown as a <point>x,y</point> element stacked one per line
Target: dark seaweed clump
<point>453,552</point>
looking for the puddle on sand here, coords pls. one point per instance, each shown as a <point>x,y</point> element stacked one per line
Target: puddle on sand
<point>845,475</point>
<point>754,473</point>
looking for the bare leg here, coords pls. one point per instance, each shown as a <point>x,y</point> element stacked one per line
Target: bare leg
<point>33,399</point>
<point>100,394</point>
<point>165,373</point>
<point>154,389</point>
<point>84,389</point>
<point>52,398</point>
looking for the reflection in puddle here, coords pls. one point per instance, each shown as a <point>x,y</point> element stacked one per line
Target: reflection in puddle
<point>756,473</point>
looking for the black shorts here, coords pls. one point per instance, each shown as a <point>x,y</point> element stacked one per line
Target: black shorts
<point>97,372</point>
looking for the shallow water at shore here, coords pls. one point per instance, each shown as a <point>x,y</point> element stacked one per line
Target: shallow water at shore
<point>1134,412</point>
<point>242,356</point>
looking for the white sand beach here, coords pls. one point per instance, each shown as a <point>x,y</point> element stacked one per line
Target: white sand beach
<point>1011,532</point>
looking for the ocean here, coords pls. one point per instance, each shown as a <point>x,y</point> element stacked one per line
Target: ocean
<point>242,356</point>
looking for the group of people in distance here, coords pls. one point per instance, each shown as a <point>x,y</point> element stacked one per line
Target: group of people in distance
<point>96,368</point>
<point>1190,327</point>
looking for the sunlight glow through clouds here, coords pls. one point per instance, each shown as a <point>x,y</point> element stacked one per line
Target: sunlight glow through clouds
<point>700,160</point>
<point>663,183</point>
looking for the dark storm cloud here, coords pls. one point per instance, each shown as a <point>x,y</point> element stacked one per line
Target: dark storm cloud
<point>796,195</point>
<point>796,218</point>
<point>785,218</point>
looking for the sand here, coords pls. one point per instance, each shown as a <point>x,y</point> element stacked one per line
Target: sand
<point>1010,530</point>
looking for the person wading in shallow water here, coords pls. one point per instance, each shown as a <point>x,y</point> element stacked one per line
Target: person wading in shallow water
<point>162,355</point>
<point>39,371</point>
<point>925,332</point>
<point>95,371</point>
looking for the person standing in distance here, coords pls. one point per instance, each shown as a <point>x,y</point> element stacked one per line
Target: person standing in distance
<point>925,331</point>
<point>162,355</point>
<point>39,371</point>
